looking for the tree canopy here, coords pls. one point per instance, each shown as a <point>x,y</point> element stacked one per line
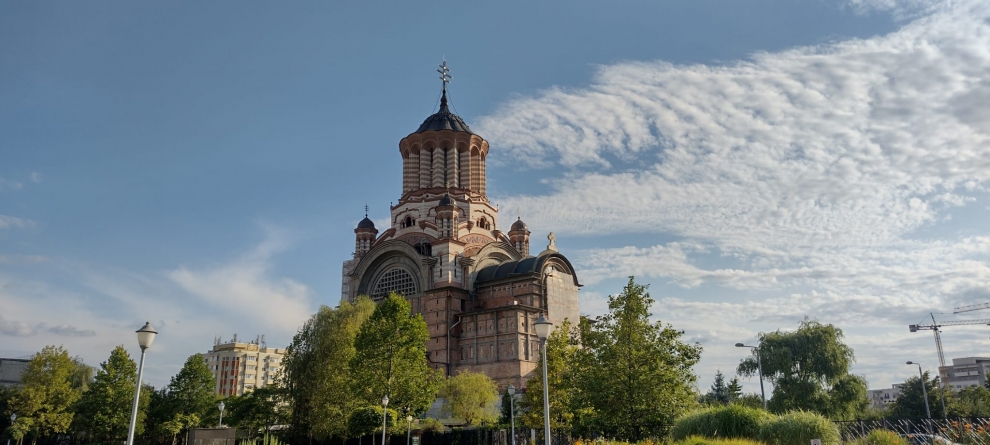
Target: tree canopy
<point>809,369</point>
<point>390,359</point>
<point>471,396</point>
<point>44,403</point>
<point>561,369</point>
<point>316,372</point>
<point>191,392</point>
<point>635,374</point>
<point>105,409</point>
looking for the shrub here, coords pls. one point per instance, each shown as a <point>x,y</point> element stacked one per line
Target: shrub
<point>798,428</point>
<point>881,437</point>
<point>732,421</point>
<point>699,440</point>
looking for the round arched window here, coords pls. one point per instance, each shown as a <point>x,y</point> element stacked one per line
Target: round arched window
<point>394,280</point>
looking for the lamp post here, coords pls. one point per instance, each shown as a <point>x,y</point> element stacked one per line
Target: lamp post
<point>13,417</point>
<point>409,428</point>
<point>384,416</point>
<point>146,335</point>
<point>941,391</point>
<point>543,328</point>
<point>759,367</point>
<point>924,392</point>
<point>512,412</point>
<point>220,406</point>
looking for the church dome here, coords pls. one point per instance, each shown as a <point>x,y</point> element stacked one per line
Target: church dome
<point>366,224</point>
<point>444,119</point>
<point>446,201</point>
<point>519,225</point>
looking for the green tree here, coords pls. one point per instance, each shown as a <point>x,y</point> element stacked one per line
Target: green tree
<point>390,352</point>
<point>636,375</point>
<point>44,403</point>
<point>734,389</point>
<point>561,352</point>
<point>191,392</point>
<point>316,372</point>
<point>973,401</point>
<point>809,369</point>
<point>506,412</point>
<point>471,396</point>
<point>256,410</point>
<point>368,420</point>
<point>105,409</point>
<point>719,393</point>
<point>911,404</point>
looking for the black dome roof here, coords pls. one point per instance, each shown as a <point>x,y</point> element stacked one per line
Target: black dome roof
<point>366,224</point>
<point>444,119</point>
<point>446,201</point>
<point>519,225</point>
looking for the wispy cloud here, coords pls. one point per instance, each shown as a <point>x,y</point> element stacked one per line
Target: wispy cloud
<point>821,174</point>
<point>8,222</point>
<point>71,331</point>
<point>7,184</point>
<point>36,177</point>
<point>17,328</point>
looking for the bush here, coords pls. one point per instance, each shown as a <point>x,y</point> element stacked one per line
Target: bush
<point>881,437</point>
<point>698,440</point>
<point>798,428</point>
<point>732,421</point>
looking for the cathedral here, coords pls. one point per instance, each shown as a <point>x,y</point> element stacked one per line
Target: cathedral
<point>479,289</point>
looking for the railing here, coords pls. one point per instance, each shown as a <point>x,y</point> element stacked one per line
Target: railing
<point>962,430</point>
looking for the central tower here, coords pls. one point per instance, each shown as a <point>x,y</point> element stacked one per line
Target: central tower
<point>478,289</point>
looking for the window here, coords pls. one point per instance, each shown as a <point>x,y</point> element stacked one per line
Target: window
<point>394,280</point>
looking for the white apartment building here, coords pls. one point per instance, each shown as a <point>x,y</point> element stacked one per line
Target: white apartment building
<point>882,397</point>
<point>965,372</point>
<point>241,367</point>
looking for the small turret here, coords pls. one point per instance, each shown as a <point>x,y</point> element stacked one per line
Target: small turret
<point>365,235</point>
<point>447,217</point>
<point>519,237</point>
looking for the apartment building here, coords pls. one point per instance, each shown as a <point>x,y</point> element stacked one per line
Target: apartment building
<point>240,367</point>
<point>965,372</point>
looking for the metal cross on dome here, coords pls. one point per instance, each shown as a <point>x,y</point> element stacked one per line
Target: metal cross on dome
<point>444,73</point>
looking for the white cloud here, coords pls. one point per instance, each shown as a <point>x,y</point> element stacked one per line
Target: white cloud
<point>66,330</point>
<point>8,222</point>
<point>17,328</point>
<point>244,288</point>
<point>36,177</point>
<point>7,184</point>
<point>814,172</point>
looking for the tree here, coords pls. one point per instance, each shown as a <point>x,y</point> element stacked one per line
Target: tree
<point>734,389</point>
<point>471,396</point>
<point>191,391</point>
<point>316,372</point>
<point>809,369</point>
<point>719,393</point>
<point>973,401</point>
<point>368,420</point>
<point>44,404</point>
<point>561,367</point>
<point>506,412</point>
<point>105,409</point>
<point>636,375</point>
<point>390,359</point>
<point>911,404</point>
<point>256,410</point>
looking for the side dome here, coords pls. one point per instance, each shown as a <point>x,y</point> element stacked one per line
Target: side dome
<point>366,224</point>
<point>445,201</point>
<point>519,225</point>
<point>444,119</point>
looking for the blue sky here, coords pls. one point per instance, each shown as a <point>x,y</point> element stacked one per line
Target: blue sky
<point>202,165</point>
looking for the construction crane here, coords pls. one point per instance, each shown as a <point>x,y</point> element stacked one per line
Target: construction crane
<point>934,327</point>
<point>972,307</point>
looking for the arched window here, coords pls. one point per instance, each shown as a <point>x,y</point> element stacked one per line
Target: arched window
<point>394,280</point>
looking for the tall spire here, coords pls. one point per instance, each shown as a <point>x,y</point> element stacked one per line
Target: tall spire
<point>445,78</point>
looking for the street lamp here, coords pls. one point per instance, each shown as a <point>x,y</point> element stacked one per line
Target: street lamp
<point>146,335</point>
<point>941,391</point>
<point>409,428</point>
<point>543,328</point>
<point>924,392</point>
<point>220,406</point>
<point>13,417</point>
<point>384,414</point>
<point>512,413</point>
<point>759,367</point>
